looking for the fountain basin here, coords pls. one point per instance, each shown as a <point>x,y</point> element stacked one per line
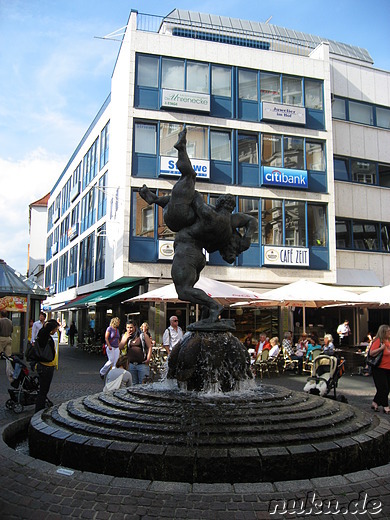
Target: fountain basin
<point>264,434</point>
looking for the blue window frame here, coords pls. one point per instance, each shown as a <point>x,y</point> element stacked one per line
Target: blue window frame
<point>102,197</point>
<point>104,145</point>
<point>100,252</point>
<point>360,112</point>
<point>282,222</point>
<point>86,261</point>
<point>362,171</point>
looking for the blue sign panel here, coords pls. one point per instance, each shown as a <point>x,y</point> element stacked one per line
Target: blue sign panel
<point>284,177</point>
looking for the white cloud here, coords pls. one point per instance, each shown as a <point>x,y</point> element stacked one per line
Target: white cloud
<point>23,182</point>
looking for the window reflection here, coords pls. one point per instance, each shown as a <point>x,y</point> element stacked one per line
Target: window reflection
<point>248,149</point>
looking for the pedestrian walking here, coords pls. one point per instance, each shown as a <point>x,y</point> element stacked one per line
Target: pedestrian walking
<point>112,338</point>
<point>380,346</point>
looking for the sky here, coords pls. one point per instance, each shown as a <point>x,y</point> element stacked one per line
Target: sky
<point>56,71</point>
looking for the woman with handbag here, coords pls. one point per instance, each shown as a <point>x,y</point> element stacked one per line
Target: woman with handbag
<point>45,369</point>
<point>379,360</point>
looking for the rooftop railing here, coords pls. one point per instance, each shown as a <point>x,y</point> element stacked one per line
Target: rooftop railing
<point>216,33</point>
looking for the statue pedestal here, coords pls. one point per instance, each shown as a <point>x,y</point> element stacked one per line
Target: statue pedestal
<point>207,361</point>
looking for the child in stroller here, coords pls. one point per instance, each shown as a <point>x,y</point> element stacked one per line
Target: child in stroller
<point>25,387</point>
<point>325,374</point>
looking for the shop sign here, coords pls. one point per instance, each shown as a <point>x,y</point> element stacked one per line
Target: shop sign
<point>201,167</point>
<point>284,177</point>
<point>290,256</point>
<point>165,250</point>
<point>185,100</point>
<point>13,303</point>
<point>284,113</point>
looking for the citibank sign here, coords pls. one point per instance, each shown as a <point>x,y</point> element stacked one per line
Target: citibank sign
<point>284,177</point>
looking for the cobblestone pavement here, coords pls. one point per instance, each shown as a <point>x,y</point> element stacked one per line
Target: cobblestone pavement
<point>32,489</point>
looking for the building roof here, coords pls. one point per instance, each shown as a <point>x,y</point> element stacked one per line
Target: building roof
<point>244,29</point>
<point>42,201</point>
<point>11,282</point>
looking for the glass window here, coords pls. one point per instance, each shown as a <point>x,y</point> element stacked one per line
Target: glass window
<point>384,175</point>
<point>220,146</point>
<point>383,117</point>
<point>221,83</point>
<point>315,156</point>
<point>147,71</point>
<point>271,150</point>
<point>313,94</point>
<point>104,145</point>
<point>73,260</point>
<point>271,222</point>
<point>145,138</point>
<point>363,171</point>
<point>343,234</point>
<point>385,237</point>
<point>292,90</point>
<point>86,261</point>
<point>48,276</point>
<point>361,113</point>
<point>54,274</point>
<point>197,77</point>
<point>169,133</point>
<point>163,231</point>
<point>100,252</point>
<point>248,149</point>
<point>293,153</point>
<point>316,225</point>
<point>247,84</point>
<point>197,142</point>
<point>365,236</point>
<point>250,206</point>
<point>143,218</point>
<point>270,87</point>
<point>295,228</point>
<point>340,167</point>
<point>172,74</point>
<point>338,108</point>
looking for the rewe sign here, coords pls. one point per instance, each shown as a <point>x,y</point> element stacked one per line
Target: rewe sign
<point>201,167</point>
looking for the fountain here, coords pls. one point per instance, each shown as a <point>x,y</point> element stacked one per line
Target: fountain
<point>209,422</point>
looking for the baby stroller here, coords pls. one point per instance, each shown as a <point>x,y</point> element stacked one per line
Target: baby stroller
<point>325,375</point>
<point>25,387</point>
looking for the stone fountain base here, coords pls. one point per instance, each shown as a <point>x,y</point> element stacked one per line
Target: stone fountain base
<point>264,434</point>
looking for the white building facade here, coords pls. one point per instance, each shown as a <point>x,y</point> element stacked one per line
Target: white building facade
<point>295,127</point>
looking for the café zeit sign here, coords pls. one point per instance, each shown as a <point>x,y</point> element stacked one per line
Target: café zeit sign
<point>201,167</point>
<point>284,177</point>
<point>185,100</point>
<point>290,256</point>
<point>284,113</point>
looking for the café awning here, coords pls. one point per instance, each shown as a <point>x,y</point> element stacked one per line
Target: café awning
<point>91,299</point>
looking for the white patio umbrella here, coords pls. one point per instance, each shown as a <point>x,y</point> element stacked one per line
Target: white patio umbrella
<point>379,296</point>
<point>305,293</point>
<point>223,293</point>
